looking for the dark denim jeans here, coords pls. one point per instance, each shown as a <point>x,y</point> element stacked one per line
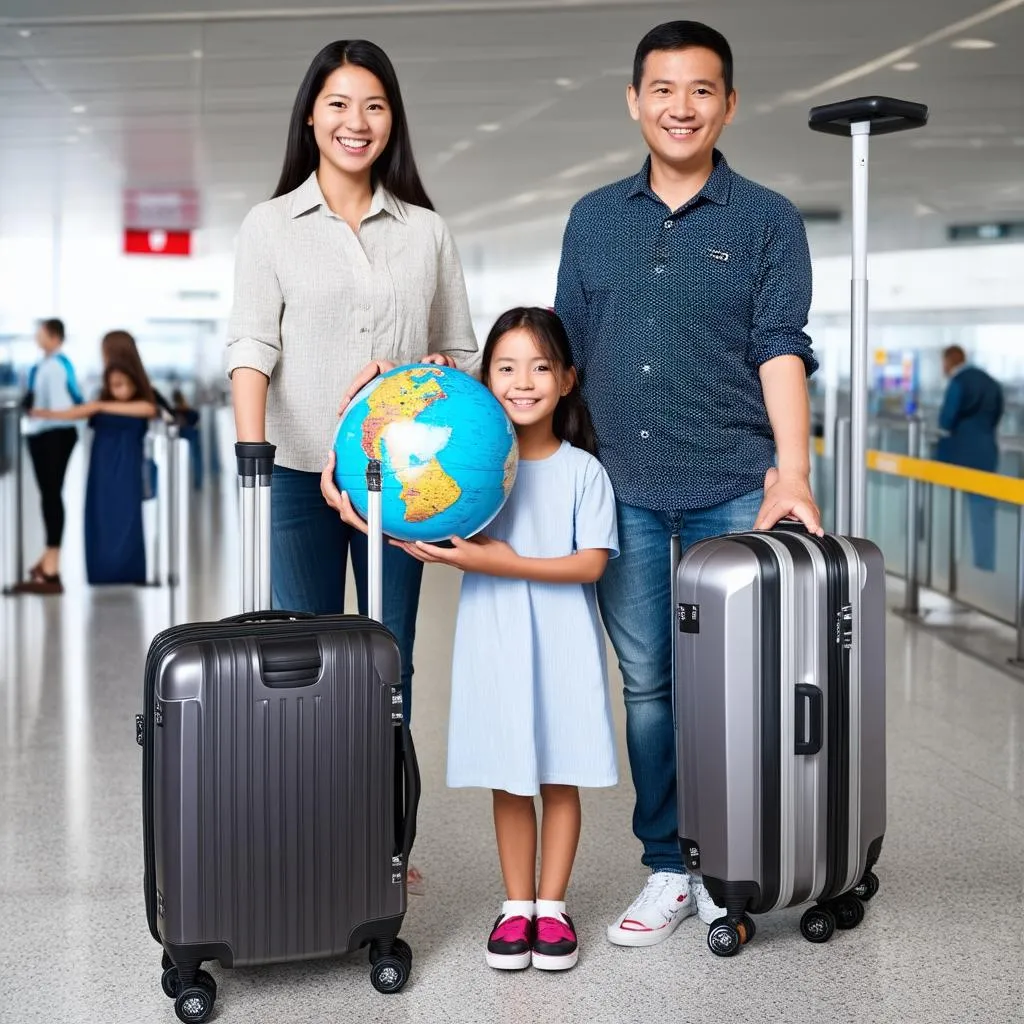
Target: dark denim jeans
<point>310,547</point>
<point>635,597</point>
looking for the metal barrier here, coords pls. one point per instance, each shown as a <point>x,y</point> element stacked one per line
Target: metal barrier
<point>12,563</point>
<point>167,550</point>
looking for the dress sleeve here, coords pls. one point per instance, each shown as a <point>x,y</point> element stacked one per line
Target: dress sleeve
<point>595,525</point>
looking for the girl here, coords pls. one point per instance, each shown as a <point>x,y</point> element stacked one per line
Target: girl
<point>345,270</point>
<point>530,708</point>
<point>115,547</point>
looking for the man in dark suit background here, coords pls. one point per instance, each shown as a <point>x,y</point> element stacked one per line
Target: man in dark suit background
<point>969,417</point>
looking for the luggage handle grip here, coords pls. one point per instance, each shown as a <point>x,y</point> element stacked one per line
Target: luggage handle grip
<point>411,788</point>
<point>290,661</point>
<point>249,618</point>
<point>808,719</point>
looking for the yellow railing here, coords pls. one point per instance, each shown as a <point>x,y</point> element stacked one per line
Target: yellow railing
<point>942,474</point>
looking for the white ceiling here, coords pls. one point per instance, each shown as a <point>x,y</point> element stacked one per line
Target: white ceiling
<point>200,98</point>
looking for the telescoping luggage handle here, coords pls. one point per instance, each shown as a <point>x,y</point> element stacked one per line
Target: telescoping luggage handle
<point>255,468</point>
<point>859,119</point>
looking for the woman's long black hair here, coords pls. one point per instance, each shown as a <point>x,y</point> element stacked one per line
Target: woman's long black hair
<point>572,420</point>
<point>395,168</point>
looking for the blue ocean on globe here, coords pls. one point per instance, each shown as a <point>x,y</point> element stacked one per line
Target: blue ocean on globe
<point>448,452</point>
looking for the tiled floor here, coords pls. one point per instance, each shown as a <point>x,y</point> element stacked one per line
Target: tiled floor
<point>943,942</point>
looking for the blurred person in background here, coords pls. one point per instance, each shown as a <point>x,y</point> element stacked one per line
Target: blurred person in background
<point>114,542</point>
<point>52,388</point>
<point>969,418</point>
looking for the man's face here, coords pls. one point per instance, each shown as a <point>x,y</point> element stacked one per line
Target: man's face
<point>682,105</point>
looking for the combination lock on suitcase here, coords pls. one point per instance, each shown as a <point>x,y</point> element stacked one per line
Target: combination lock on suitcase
<point>280,782</point>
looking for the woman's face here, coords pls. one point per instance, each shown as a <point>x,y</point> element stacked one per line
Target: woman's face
<point>351,120</point>
<point>121,387</point>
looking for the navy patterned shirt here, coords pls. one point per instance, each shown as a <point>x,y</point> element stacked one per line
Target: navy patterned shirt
<point>670,315</point>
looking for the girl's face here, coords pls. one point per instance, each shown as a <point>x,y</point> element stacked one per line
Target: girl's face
<point>526,382</point>
<point>351,120</point>
<point>121,387</point>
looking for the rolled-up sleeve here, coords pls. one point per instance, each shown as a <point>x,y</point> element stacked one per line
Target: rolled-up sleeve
<point>451,325</point>
<point>782,297</point>
<point>254,328</point>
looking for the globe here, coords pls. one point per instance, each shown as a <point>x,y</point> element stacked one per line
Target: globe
<point>447,450</point>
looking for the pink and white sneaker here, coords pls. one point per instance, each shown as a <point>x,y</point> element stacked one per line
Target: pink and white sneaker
<point>510,945</point>
<point>555,948</point>
<point>655,914</point>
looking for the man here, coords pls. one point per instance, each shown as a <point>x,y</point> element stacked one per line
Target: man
<point>685,291</point>
<point>52,386</point>
<point>971,411</point>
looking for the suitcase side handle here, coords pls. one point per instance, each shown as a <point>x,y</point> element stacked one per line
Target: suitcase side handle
<point>411,793</point>
<point>808,719</point>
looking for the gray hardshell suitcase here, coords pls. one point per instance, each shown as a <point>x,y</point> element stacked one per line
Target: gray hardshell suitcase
<point>780,725</point>
<point>280,782</point>
<point>779,663</point>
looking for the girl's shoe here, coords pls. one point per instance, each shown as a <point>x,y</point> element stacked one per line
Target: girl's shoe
<point>511,942</point>
<point>555,947</point>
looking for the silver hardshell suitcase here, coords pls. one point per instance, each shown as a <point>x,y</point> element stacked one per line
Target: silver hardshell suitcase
<point>780,725</point>
<point>280,782</point>
<point>779,662</point>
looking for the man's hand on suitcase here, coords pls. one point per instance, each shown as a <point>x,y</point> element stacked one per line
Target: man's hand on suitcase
<point>378,366</point>
<point>788,496</point>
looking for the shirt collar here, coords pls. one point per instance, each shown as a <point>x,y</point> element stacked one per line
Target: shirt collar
<point>308,196</point>
<point>717,188</point>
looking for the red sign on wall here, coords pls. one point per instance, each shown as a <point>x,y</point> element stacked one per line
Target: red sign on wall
<point>158,242</point>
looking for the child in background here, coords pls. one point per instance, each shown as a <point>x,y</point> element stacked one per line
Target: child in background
<point>115,550</point>
<point>530,709</point>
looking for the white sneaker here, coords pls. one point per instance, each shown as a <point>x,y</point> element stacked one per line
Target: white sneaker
<point>656,913</point>
<point>707,910</point>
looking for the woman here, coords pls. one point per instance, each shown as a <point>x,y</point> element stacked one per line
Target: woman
<point>345,272</point>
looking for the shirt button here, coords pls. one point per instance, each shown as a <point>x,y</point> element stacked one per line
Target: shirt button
<point>645,368</point>
<point>364,330</point>
<point>645,434</point>
<point>669,224</point>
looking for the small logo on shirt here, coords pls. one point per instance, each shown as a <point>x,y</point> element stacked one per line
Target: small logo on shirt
<point>718,254</point>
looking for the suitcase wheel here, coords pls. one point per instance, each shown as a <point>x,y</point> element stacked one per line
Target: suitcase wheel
<point>170,982</point>
<point>848,911</point>
<point>390,965</point>
<point>724,938</point>
<point>194,1004</point>
<point>867,887</point>
<point>817,924</point>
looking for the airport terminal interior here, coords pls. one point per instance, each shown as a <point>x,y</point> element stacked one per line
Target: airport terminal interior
<point>135,135</point>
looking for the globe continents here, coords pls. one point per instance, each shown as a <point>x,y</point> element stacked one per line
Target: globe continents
<point>447,450</point>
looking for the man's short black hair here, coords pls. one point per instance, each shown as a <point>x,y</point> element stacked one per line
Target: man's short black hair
<point>682,35</point>
<point>54,328</point>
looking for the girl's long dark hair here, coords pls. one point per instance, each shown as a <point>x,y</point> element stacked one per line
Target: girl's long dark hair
<point>121,353</point>
<point>395,168</point>
<point>572,420</point>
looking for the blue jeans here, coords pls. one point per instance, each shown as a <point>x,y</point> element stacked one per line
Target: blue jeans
<point>635,597</point>
<point>309,551</point>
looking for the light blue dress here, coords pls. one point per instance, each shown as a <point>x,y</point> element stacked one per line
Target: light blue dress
<point>530,700</point>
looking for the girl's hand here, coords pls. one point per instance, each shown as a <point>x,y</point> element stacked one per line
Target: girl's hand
<point>362,378</point>
<point>481,554</point>
<point>339,500</point>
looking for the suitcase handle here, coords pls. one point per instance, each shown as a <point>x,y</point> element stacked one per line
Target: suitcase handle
<point>808,719</point>
<point>246,618</point>
<point>885,115</point>
<point>791,526</point>
<point>411,787</point>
